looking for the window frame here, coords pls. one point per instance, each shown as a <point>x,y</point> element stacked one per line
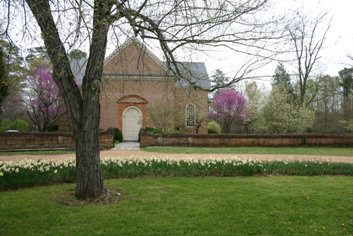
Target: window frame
<point>190,115</point>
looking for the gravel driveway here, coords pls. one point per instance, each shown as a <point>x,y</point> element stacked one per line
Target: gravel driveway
<point>125,154</point>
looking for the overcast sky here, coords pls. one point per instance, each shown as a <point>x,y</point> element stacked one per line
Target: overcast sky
<point>340,37</point>
<point>339,41</point>
<point>338,44</point>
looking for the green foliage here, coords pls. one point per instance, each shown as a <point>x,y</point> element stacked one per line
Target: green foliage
<point>327,106</point>
<point>78,54</point>
<point>37,55</point>
<point>20,125</point>
<point>26,173</point>
<point>214,128</point>
<point>178,131</point>
<point>53,128</point>
<point>282,78</point>
<point>256,122</point>
<point>17,124</point>
<point>219,78</point>
<point>4,87</point>
<point>12,67</point>
<point>346,82</point>
<point>154,131</point>
<point>346,77</point>
<point>283,115</point>
<point>118,136</point>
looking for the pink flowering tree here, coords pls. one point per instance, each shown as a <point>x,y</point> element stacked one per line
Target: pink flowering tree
<point>229,108</point>
<point>45,105</point>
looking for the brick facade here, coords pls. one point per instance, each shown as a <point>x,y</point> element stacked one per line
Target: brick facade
<point>134,77</point>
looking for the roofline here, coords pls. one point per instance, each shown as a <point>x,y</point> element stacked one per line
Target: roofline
<point>142,46</point>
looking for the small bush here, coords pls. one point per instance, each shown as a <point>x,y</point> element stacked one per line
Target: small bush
<point>179,131</point>
<point>53,128</point>
<point>6,124</point>
<point>213,128</point>
<point>152,131</point>
<point>21,125</point>
<point>118,136</point>
<point>17,124</point>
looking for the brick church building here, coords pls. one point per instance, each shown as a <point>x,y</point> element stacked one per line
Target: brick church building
<point>138,91</point>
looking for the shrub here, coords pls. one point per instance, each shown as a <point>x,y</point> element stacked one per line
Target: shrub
<point>118,136</point>
<point>6,124</point>
<point>17,124</point>
<point>178,131</point>
<point>53,128</point>
<point>153,131</point>
<point>213,127</point>
<point>21,125</point>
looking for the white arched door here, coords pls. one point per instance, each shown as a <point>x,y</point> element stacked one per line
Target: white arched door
<point>132,123</point>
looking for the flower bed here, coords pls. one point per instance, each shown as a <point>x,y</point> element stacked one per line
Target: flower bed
<point>28,173</point>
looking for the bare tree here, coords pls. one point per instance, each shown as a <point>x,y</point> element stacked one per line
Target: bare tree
<point>307,38</point>
<point>177,26</point>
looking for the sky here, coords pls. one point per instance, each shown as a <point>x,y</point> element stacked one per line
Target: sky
<point>338,44</point>
<point>339,41</point>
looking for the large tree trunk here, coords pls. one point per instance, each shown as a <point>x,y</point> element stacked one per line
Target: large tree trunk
<point>89,178</point>
<point>82,106</point>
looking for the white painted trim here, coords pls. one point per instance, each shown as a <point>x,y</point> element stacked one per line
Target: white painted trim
<point>132,107</point>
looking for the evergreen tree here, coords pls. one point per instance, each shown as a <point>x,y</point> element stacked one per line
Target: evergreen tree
<point>282,78</point>
<point>346,82</point>
<point>4,87</point>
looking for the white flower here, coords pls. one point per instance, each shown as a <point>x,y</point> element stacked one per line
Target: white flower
<point>55,171</point>
<point>1,174</point>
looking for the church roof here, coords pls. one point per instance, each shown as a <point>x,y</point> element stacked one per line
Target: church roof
<point>193,73</point>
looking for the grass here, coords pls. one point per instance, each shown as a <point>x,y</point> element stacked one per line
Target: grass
<point>35,152</point>
<point>324,151</point>
<point>274,205</point>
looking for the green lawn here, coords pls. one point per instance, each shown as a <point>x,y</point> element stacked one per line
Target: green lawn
<point>36,152</point>
<point>189,206</point>
<point>329,151</point>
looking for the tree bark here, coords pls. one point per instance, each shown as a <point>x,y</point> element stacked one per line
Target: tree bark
<point>89,178</point>
<point>83,108</point>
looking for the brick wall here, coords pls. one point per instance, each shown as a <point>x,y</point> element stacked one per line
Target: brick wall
<point>244,140</point>
<point>55,140</point>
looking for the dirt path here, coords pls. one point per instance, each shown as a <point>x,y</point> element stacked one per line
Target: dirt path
<point>143,154</point>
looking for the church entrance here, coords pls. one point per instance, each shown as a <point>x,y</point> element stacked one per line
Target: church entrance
<point>132,123</point>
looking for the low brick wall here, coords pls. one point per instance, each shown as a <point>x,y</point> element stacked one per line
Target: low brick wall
<point>213,140</point>
<point>42,141</point>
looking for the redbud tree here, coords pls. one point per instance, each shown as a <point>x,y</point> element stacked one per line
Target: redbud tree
<point>45,105</point>
<point>229,108</point>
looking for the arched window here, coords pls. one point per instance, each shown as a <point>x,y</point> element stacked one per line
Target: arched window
<point>190,115</point>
